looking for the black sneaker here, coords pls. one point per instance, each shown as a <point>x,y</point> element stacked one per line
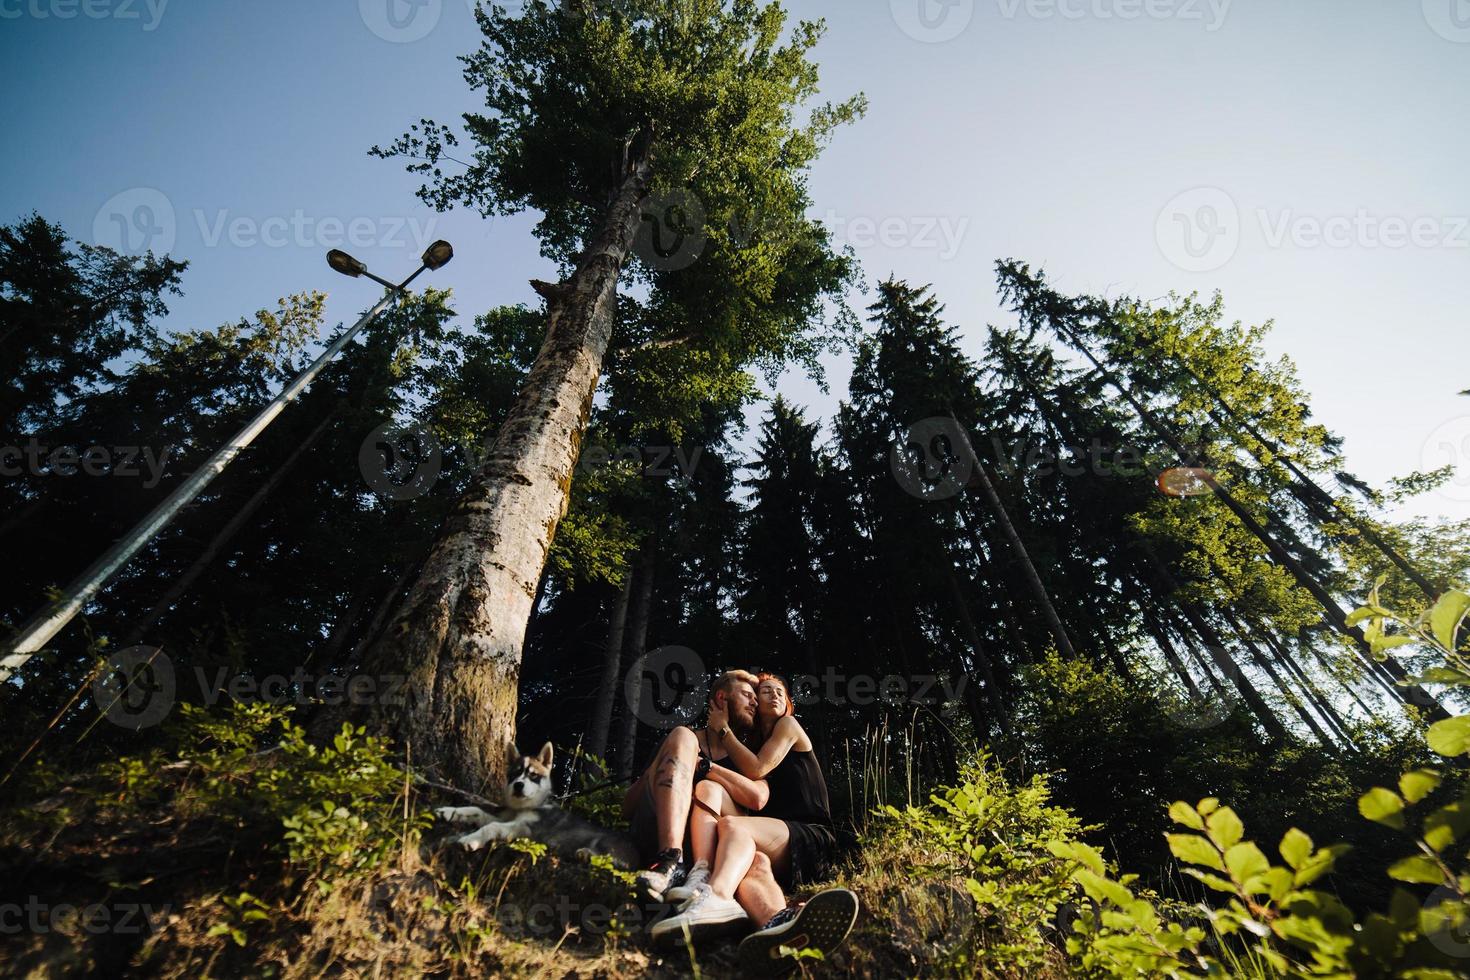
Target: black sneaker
<point>823,923</point>
<point>666,872</point>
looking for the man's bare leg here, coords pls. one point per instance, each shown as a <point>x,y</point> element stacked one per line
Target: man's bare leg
<point>758,893</point>
<point>673,784</point>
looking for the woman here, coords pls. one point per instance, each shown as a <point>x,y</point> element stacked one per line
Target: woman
<point>744,863</point>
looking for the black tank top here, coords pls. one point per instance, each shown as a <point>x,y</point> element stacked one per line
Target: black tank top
<point>798,791</point>
<point>727,761</point>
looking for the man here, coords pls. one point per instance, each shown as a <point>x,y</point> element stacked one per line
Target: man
<point>657,804</point>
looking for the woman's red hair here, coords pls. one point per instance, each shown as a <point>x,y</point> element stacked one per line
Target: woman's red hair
<point>790,704</point>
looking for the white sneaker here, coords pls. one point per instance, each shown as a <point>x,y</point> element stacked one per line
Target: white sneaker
<point>682,894</point>
<point>706,916</point>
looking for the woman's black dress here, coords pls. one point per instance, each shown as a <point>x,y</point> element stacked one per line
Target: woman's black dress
<point>799,797</point>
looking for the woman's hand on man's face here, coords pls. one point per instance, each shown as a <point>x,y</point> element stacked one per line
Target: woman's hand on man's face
<point>718,716</point>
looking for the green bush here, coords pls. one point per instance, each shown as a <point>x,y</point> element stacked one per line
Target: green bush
<point>1272,918</point>
<point>339,807</point>
<point>993,839</point>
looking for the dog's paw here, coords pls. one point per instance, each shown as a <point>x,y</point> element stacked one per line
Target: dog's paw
<point>459,814</point>
<point>470,842</point>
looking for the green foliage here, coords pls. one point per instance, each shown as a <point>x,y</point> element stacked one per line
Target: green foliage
<point>1118,752</point>
<point>999,841</point>
<point>1272,915</point>
<point>244,909</point>
<point>339,807</point>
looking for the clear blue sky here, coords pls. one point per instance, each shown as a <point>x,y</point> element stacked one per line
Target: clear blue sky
<point>1308,159</point>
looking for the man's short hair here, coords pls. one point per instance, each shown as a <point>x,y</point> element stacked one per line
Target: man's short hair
<point>727,681</point>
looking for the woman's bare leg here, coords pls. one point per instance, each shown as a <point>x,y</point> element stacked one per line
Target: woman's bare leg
<point>739,840</point>
<point>702,832</point>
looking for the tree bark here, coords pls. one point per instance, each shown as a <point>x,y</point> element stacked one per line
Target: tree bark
<point>459,635</point>
<point>607,685</point>
<point>638,643</point>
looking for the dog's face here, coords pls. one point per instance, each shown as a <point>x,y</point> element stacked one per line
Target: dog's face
<point>527,778</point>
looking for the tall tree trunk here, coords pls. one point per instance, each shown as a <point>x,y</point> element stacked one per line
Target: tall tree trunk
<point>983,551</point>
<point>1185,632</point>
<point>459,635</point>
<point>1161,640</point>
<point>1215,646</point>
<point>607,684</point>
<point>1028,569</point>
<point>1413,693</point>
<point>1323,706</point>
<point>982,660</point>
<point>1290,696</point>
<point>638,644</point>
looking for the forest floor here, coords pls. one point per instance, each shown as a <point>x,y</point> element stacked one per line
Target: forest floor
<point>198,896</point>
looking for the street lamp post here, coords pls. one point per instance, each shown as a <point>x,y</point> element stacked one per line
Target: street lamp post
<point>47,623</point>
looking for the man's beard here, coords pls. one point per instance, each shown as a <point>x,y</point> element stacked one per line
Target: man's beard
<point>741,724</point>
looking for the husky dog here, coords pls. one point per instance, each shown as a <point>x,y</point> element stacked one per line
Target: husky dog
<point>531,813</point>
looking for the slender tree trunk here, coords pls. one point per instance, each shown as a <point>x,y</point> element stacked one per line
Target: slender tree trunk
<point>459,635</point>
<point>1186,633</point>
<point>982,660</point>
<point>638,644</point>
<point>227,533</point>
<point>1413,693</point>
<point>1215,647</point>
<point>607,684</point>
<point>1351,691</point>
<point>1028,569</point>
<point>1161,639</point>
<point>340,632</point>
<point>1290,696</point>
<point>1324,707</point>
<point>1011,615</point>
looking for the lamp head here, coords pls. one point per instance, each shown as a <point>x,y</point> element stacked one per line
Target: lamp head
<point>438,255</point>
<point>345,263</point>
